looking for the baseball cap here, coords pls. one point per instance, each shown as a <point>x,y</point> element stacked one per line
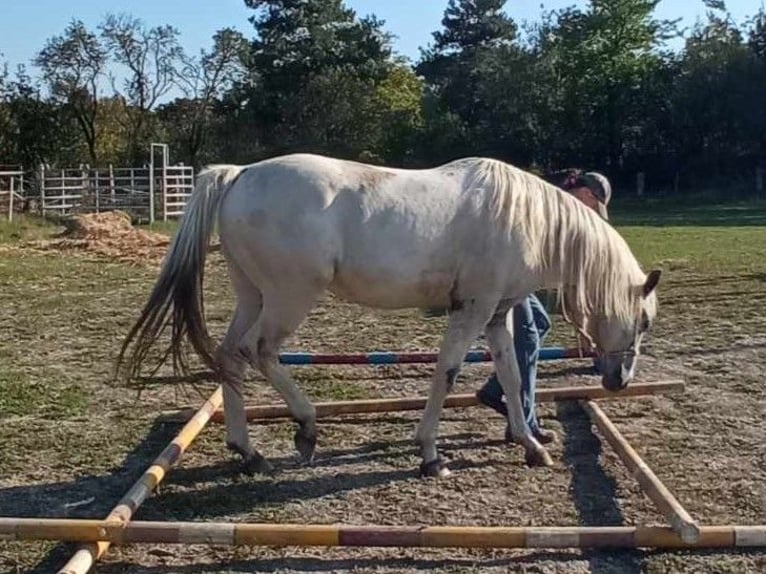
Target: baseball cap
<point>600,187</point>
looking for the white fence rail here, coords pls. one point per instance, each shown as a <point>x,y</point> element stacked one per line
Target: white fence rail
<point>80,190</point>
<point>12,186</point>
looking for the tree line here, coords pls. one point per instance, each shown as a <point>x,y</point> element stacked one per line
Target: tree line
<point>597,87</point>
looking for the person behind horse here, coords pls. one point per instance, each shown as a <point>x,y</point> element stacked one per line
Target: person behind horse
<point>531,322</point>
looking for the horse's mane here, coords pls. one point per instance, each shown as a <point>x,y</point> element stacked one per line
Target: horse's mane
<point>562,237</point>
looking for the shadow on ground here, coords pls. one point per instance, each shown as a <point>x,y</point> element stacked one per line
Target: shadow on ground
<point>593,490</point>
<point>658,213</point>
<point>86,496</point>
<point>344,565</point>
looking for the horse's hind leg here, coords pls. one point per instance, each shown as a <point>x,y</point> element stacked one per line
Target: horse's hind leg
<point>464,326</point>
<point>233,365</point>
<point>281,315</point>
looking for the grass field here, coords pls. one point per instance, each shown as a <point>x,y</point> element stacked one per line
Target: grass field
<point>72,440</point>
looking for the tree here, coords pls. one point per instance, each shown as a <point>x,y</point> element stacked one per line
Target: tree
<point>150,56</point>
<point>72,65</point>
<point>471,25</point>
<point>398,98</point>
<point>314,70</point>
<point>5,119</point>
<point>477,36</point>
<point>757,34</point>
<point>718,136</point>
<point>601,58</point>
<point>203,80</point>
<point>757,82</point>
<point>36,131</point>
<point>479,80</point>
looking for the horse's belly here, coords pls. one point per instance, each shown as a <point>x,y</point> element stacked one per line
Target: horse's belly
<point>392,288</point>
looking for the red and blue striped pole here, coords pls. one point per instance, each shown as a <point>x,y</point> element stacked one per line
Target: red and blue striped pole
<point>388,358</point>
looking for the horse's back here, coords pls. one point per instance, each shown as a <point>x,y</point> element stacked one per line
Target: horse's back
<point>373,233</point>
<point>298,187</point>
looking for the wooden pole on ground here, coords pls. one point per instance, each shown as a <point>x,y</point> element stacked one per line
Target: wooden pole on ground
<point>330,409</point>
<point>328,535</point>
<point>393,358</point>
<point>87,555</point>
<point>657,492</point>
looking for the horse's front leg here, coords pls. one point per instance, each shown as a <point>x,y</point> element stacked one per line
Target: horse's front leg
<point>503,352</point>
<point>464,326</point>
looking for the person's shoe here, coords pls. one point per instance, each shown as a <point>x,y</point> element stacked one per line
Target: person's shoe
<point>543,436</point>
<point>492,402</point>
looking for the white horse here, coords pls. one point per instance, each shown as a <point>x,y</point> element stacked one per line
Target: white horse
<point>475,236</point>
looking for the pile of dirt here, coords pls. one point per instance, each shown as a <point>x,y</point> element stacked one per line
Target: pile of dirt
<point>110,234</point>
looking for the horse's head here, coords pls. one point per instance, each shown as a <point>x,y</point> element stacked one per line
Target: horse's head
<point>617,340</point>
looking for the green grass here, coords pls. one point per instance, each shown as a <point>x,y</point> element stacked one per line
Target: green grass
<point>704,237</point>
<point>324,386</point>
<point>164,227</point>
<point>25,228</point>
<point>21,396</point>
<point>702,249</point>
<point>687,212</point>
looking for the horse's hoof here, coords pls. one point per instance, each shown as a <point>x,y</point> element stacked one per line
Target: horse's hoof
<point>535,457</point>
<point>436,469</point>
<point>257,464</point>
<point>305,444</point>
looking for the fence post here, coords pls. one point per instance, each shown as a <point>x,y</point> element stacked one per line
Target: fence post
<point>759,180</point>
<point>112,191</point>
<point>42,189</point>
<point>98,190</point>
<point>85,184</point>
<point>165,183</point>
<point>640,181</point>
<point>10,200</point>
<point>151,190</point>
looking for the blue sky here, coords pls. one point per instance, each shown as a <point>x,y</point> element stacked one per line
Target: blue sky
<point>25,24</point>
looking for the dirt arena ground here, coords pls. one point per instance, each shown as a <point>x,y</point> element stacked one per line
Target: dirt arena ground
<point>72,440</point>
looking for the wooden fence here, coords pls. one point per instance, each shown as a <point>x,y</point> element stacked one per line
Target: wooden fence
<point>12,187</point>
<point>145,195</point>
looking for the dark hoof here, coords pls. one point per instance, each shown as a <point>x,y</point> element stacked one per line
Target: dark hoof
<point>257,464</point>
<point>534,457</point>
<point>252,462</point>
<point>305,444</point>
<point>436,468</point>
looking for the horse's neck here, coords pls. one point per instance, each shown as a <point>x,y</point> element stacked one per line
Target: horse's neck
<point>578,247</point>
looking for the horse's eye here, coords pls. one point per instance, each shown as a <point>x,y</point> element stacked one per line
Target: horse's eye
<point>645,323</point>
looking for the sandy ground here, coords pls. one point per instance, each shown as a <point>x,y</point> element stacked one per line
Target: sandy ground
<point>707,444</point>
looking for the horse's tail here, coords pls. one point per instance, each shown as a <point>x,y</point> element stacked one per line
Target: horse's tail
<point>179,285</point>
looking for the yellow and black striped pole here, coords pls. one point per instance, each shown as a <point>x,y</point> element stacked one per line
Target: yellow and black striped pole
<point>88,554</point>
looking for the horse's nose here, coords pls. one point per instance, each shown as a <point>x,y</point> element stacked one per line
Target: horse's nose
<point>615,382</point>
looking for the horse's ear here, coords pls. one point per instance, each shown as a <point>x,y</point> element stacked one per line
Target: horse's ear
<point>651,281</point>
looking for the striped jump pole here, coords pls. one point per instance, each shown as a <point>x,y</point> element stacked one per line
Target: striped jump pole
<point>657,492</point>
<point>281,535</point>
<point>388,358</point>
<point>88,554</point>
<point>368,406</point>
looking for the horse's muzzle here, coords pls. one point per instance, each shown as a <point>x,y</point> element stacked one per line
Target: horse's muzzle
<point>618,379</point>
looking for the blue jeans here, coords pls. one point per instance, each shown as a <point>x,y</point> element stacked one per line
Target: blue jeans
<point>530,326</point>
